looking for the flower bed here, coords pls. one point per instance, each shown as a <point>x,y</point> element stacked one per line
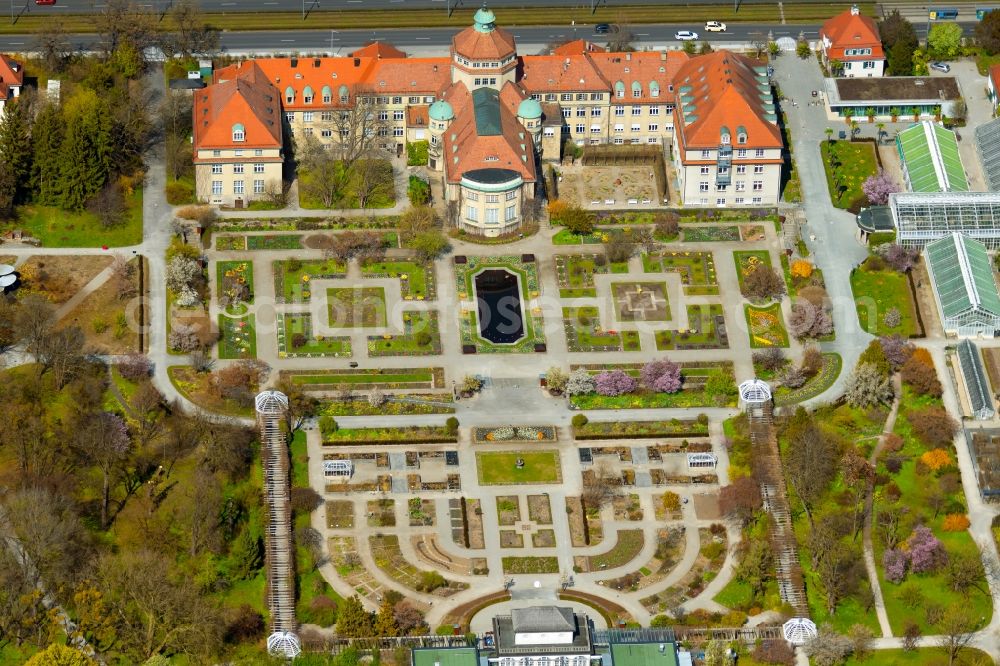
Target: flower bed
<point>291,326</point>
<point>411,342</point>
<point>697,270</point>
<point>766,326</point>
<point>514,434</point>
<point>292,278</point>
<point>416,280</point>
<point>274,242</point>
<point>356,307</point>
<point>395,405</point>
<point>707,330</point>
<point>711,234</point>
<point>237,337</point>
<point>822,381</point>
<point>584,334</point>
<point>705,385</point>
<point>375,436</point>
<point>235,285</point>
<point>392,378</point>
<point>530,565</point>
<point>575,273</point>
<point>748,260</point>
<point>639,429</point>
<point>230,243</point>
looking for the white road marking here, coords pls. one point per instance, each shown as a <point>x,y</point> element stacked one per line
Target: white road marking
<point>228,4</point>
<point>288,40</point>
<point>421,37</point>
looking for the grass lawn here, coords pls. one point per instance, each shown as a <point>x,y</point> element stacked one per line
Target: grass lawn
<point>847,165</point>
<point>701,333</point>
<point>421,337</point>
<point>301,325</point>
<point>196,387</point>
<point>231,274</point>
<point>58,228</point>
<point>926,655</point>
<point>697,270</point>
<point>237,337</point>
<point>291,277</point>
<point>875,293</point>
<point>530,565</point>
<point>626,549</point>
<point>583,332</point>
<point>274,242</point>
<point>419,278</point>
<point>575,273</point>
<point>384,195</point>
<point>824,379</point>
<point>567,237</point>
<point>498,468</point>
<point>766,326</point>
<point>350,307</point>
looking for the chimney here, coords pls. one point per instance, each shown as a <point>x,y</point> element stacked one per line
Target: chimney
<point>435,68</point>
<point>316,62</point>
<point>295,62</point>
<point>628,57</point>
<point>357,62</point>
<point>854,10</point>
<point>663,56</point>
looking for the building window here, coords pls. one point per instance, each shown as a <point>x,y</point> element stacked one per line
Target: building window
<point>596,97</point>
<point>619,110</point>
<point>741,168</point>
<point>868,64</point>
<point>738,200</point>
<point>216,168</point>
<point>327,133</point>
<point>239,134</point>
<point>758,168</point>
<point>741,152</point>
<point>654,110</point>
<point>238,152</point>
<point>567,113</point>
<point>741,138</point>
<point>307,116</point>
<point>237,168</point>
<point>308,131</point>
<point>719,187</point>
<point>471,213</point>
<point>383,115</point>
<point>397,115</point>
<point>258,152</point>
<point>741,186</point>
<point>595,112</point>
<point>237,187</point>
<point>492,198</point>
<point>724,139</point>
<point>636,110</point>
<point>619,140</point>
<point>414,100</point>
<point>549,131</point>
<point>216,153</point>
<point>636,92</point>
<point>705,170</point>
<point>706,154</point>
<point>758,185</point>
<point>510,214</point>
<point>654,128</point>
<point>510,196</point>
<point>566,97</point>
<point>595,129</point>
<point>397,100</point>
<point>327,98</point>
<point>758,200</point>
<point>619,129</point>
<point>703,186</point>
<point>258,167</point>
<point>258,187</point>
<point>759,152</point>
<point>652,139</point>
<point>216,187</point>
<point>550,97</point>
<point>636,127</point>
<point>580,129</point>
<point>398,131</point>
<point>581,112</point>
<point>581,97</point>
<point>290,116</point>
<point>720,201</point>
<point>492,216</point>
<point>472,196</point>
<point>326,116</point>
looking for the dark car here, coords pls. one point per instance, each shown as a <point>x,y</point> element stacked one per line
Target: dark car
<point>602,28</point>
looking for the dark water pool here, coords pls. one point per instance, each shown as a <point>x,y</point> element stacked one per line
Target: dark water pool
<point>498,299</point>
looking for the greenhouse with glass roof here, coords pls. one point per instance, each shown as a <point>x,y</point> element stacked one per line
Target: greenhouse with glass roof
<point>930,158</point>
<point>964,288</point>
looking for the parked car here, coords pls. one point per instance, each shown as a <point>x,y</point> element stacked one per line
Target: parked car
<point>940,66</point>
<point>45,2</point>
<point>602,28</point>
<point>685,35</point>
<point>715,26</point>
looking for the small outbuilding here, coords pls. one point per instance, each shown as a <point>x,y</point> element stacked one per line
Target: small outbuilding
<point>977,385</point>
<point>964,289</point>
<point>930,158</point>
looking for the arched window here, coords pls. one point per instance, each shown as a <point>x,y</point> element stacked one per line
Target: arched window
<point>741,134</point>
<point>289,95</point>
<point>327,95</point>
<point>619,89</point>
<point>307,95</point>
<point>239,134</point>
<point>654,89</point>
<point>636,89</point>
<point>724,135</point>
<point>345,94</point>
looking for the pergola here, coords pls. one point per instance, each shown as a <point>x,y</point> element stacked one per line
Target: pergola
<point>799,630</point>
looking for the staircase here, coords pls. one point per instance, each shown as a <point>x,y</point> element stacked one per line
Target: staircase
<point>768,471</point>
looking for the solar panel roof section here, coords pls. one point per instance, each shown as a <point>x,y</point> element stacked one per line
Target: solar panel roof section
<point>988,147</point>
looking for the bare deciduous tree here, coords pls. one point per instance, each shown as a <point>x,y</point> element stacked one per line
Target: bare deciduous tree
<point>122,22</point>
<point>600,488</point>
<point>192,35</point>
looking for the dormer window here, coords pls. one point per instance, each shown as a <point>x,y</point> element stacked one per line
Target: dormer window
<point>289,95</point>
<point>239,134</point>
<point>307,95</point>
<point>741,138</point>
<point>725,139</point>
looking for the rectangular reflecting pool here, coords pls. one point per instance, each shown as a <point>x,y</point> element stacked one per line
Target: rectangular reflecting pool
<point>498,304</point>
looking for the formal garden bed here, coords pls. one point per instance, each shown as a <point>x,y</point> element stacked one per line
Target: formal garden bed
<point>389,558</point>
<point>766,326</point>
<point>199,388</point>
<point>381,512</point>
<point>508,510</point>
<point>712,234</point>
<point>876,293</point>
<point>242,242</point>
<point>814,386</point>
<point>481,435</point>
<point>585,525</point>
<point>339,514</point>
<point>639,429</point>
<point>640,301</point>
<point>292,277</point>
<point>575,273</point>
<point>502,467</point>
<point>237,337</point>
<point>523,266</point>
<point>360,379</point>
<point>530,565</point>
<point>747,261</point>
<point>848,165</point>
<point>627,547</point>
<point>397,404</point>
<point>697,270</point>
<point>377,436</point>
<point>421,337</point>
<point>356,307</point>
<point>703,385</point>
<point>706,330</point>
<point>416,279</point>
<point>711,555</point>
<point>539,509</point>
<point>296,339</point>
<point>584,334</point>
<point>235,286</point>
<point>670,543</point>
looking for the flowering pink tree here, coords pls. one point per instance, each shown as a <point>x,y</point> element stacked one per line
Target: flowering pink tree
<point>616,382</point>
<point>897,350</point>
<point>662,376</point>
<point>894,563</point>
<point>927,553</point>
<point>878,187</point>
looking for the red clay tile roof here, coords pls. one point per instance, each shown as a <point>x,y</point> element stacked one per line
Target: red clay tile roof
<point>412,76</point>
<point>851,31</point>
<point>11,73</point>
<point>995,77</point>
<point>723,90</point>
<point>475,45</point>
<point>578,47</point>
<point>644,69</point>
<point>554,73</point>
<point>316,74</point>
<point>416,116</point>
<point>378,50</point>
<point>246,98</point>
<point>466,150</point>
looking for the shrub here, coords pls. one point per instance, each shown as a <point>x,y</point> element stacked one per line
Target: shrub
<point>423,338</point>
<point>921,376</point>
<point>328,425</point>
<point>451,425</point>
<point>662,376</point>
<point>801,268</point>
<point>894,563</point>
<point>418,191</point>
<point>933,426</point>
<point>666,224</point>
<point>776,652</point>
<point>615,382</point>
<point>416,153</point>
<point>579,420</point>
<point>935,459</point>
<point>135,367</point>
<point>430,581</point>
<point>580,382</point>
<point>892,317</point>
<point>955,522</point>
<point>926,551</point>
<point>178,193</point>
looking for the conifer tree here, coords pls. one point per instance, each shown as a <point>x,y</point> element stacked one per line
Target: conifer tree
<point>47,135</point>
<point>15,156</point>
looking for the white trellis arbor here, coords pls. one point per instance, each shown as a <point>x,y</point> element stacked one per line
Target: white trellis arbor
<point>798,630</point>
<point>756,397</point>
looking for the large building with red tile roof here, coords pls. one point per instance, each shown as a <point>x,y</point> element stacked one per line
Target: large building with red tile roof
<point>491,116</point>
<point>852,39</point>
<point>11,79</point>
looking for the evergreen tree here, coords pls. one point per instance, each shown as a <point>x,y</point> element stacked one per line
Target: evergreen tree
<point>47,135</point>
<point>15,153</point>
<point>352,619</point>
<point>247,555</point>
<point>385,621</point>
<point>86,151</point>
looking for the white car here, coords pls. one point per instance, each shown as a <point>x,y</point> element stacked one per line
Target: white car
<point>685,35</point>
<point>715,26</point>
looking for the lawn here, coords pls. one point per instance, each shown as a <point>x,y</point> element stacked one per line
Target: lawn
<point>351,307</point>
<point>416,280</point>
<point>583,332</point>
<point>875,293</point>
<point>421,337</point>
<point>746,260</point>
<point>232,276</point>
<point>59,228</point>
<point>927,654</point>
<point>697,270</point>
<point>499,468</point>
<point>847,165</point>
<point>296,338</point>
<point>766,326</point>
<point>384,195</point>
<point>702,332</point>
<point>275,242</point>
<point>530,565</point>
<point>388,379</point>
<point>626,549</point>
<point>816,385</point>
<point>694,393</point>
<point>292,277</point>
<point>567,237</point>
<point>237,337</point>
<point>575,273</point>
